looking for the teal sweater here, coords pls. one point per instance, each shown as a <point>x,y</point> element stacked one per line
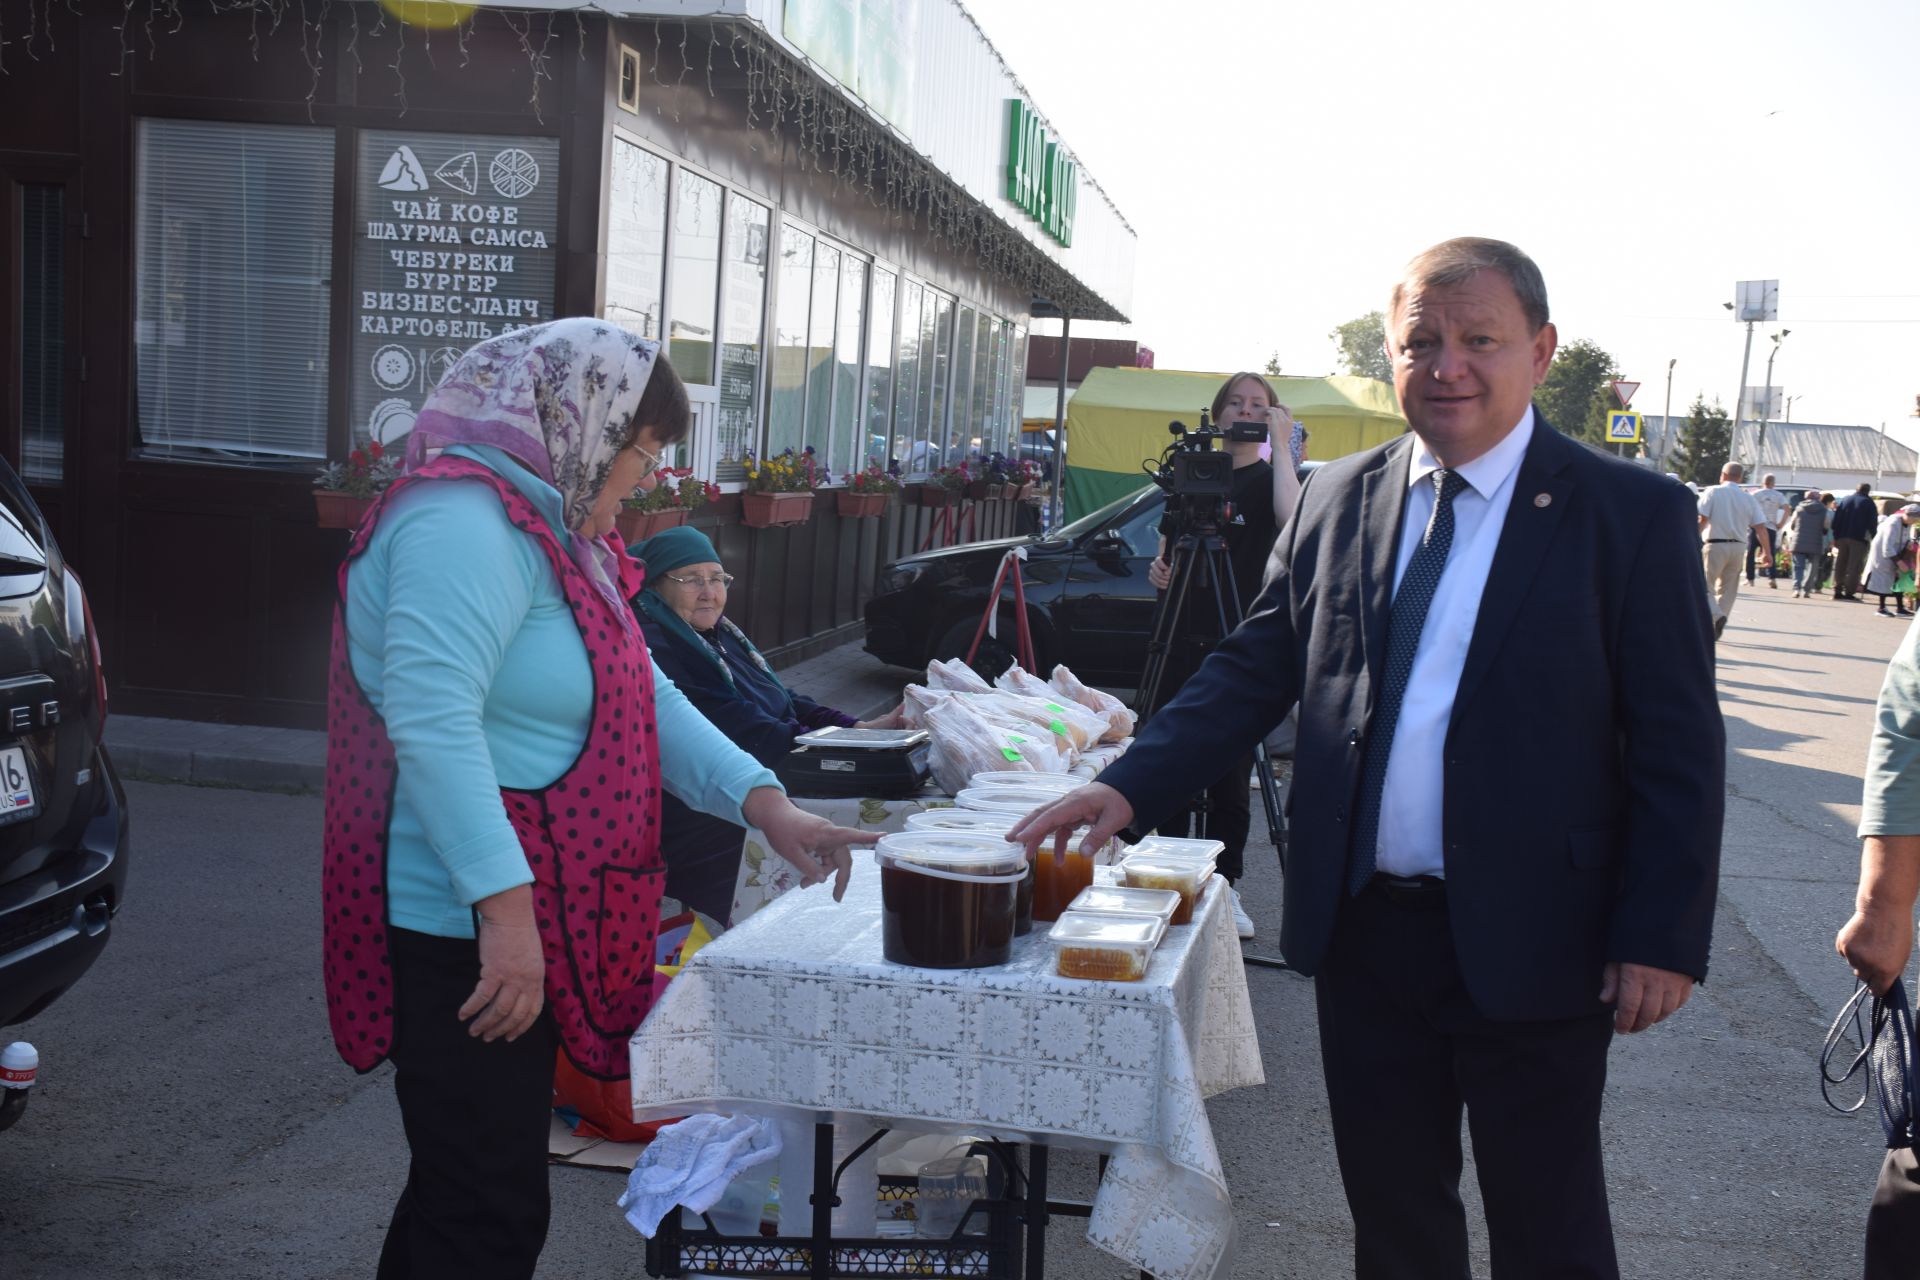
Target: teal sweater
<point>462,638</point>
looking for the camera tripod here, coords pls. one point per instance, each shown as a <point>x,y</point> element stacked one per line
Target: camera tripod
<point>1199,562</point>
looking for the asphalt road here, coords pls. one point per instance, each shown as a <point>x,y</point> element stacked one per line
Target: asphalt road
<point>193,1120</point>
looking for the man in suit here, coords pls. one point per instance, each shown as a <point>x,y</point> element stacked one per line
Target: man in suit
<point>1509,780</point>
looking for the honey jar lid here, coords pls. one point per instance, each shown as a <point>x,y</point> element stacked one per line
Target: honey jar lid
<point>1014,800</point>
<point>947,819</point>
<point>1197,850</point>
<point>1061,782</point>
<point>952,853</point>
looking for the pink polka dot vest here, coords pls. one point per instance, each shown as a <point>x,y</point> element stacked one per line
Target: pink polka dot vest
<point>592,838</point>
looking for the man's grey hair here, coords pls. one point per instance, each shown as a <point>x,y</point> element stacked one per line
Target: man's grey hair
<point>1733,471</point>
<point>1458,260</point>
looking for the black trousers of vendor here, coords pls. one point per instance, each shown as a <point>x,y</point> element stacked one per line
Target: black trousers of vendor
<point>1228,817</point>
<point>476,1116</point>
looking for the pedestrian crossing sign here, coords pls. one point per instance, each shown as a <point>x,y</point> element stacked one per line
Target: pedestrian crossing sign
<point>1623,427</point>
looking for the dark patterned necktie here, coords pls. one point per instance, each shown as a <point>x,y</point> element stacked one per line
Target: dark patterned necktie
<point>1405,620</point>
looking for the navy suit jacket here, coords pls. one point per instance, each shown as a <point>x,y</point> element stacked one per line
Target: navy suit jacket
<point>1584,779</point>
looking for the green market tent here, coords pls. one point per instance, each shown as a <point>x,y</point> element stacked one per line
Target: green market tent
<point>1118,418</point>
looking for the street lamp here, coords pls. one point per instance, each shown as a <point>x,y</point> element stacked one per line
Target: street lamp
<point>1740,395</point>
<point>1766,400</point>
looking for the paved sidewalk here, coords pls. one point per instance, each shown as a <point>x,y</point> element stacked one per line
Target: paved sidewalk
<point>258,758</point>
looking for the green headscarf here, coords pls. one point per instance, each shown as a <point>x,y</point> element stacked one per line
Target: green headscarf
<point>676,548</point>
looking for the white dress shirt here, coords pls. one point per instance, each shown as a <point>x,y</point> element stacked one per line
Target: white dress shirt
<point>1410,804</point>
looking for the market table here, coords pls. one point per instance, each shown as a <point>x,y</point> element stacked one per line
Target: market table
<point>796,1013</point>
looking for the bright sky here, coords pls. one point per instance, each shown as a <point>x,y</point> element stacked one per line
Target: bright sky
<point>1282,159</point>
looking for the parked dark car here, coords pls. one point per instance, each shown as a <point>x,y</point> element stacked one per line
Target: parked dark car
<point>1089,603</point>
<point>63,814</point>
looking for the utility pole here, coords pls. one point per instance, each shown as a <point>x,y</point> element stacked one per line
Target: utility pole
<point>1666,417</point>
<point>1740,397</point>
<point>1757,300</point>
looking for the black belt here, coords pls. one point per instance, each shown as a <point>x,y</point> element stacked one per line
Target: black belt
<point>1423,891</point>
<point>1726,539</point>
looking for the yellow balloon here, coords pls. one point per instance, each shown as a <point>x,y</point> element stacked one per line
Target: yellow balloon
<point>433,14</point>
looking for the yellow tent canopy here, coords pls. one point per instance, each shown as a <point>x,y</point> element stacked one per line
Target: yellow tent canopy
<point>1118,418</point>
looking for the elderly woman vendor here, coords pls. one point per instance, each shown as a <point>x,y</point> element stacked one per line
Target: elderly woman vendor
<point>682,614</point>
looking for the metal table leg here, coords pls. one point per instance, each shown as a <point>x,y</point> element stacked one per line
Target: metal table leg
<point>824,1199</point>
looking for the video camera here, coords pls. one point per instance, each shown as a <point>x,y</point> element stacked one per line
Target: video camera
<point>1197,474</point>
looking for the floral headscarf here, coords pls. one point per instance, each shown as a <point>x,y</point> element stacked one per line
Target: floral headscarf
<point>559,398</point>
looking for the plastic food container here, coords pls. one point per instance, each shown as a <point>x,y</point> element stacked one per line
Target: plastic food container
<point>1057,880</point>
<point>980,823</point>
<point>1060,782</point>
<point>1161,903</point>
<point>1015,802</point>
<point>1103,945</point>
<point>1184,876</point>
<point>1200,850</point>
<point>948,899</point>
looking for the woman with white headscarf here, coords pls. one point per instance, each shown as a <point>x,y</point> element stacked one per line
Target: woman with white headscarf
<point>1890,556</point>
<point>498,746</point>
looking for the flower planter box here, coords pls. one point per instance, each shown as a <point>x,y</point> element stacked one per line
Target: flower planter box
<point>771,510</point>
<point>978,489</point>
<point>1023,492</point>
<point>935,495</point>
<point>339,510</point>
<point>636,526</point>
<point>859,505</point>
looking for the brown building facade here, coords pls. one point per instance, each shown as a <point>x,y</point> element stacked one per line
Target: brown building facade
<point>238,248</point>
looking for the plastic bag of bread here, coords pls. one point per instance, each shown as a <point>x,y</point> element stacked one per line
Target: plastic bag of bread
<point>1119,717</point>
<point>955,675</point>
<point>964,743</point>
<point>1076,727</point>
<point>916,698</point>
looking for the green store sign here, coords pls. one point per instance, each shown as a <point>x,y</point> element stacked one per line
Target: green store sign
<point>1041,179</point>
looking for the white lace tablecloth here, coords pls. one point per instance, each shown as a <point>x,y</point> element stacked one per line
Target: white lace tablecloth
<point>798,1011</point>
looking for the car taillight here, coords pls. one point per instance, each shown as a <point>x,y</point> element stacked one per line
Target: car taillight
<point>80,623</point>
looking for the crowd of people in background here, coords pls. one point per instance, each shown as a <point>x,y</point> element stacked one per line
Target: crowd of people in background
<point>1850,543</point>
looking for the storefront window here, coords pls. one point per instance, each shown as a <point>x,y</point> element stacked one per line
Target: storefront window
<point>43,331</point>
<point>907,380</point>
<point>963,431</point>
<point>233,249</point>
<point>745,286</point>
<point>696,277</point>
<point>786,415</point>
<point>941,340</point>
<point>878,443</point>
<point>636,238</point>
<point>982,420</point>
<point>847,452</point>
<point>826,291</point>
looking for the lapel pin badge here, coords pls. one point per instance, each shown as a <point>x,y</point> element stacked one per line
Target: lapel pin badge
<point>1542,499</point>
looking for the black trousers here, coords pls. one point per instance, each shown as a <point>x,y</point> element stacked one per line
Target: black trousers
<point>1893,1223</point>
<point>476,1114</point>
<point>1229,817</point>
<point>1405,1052</point>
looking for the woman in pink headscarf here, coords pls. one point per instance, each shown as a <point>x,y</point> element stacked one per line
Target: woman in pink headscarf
<point>499,744</point>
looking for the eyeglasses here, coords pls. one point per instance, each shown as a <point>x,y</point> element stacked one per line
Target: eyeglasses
<point>718,581</point>
<point>652,460</point>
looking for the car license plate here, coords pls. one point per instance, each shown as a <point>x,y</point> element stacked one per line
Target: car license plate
<point>16,785</point>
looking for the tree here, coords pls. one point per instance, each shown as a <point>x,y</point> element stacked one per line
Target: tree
<point>1575,396</point>
<point>1363,346</point>
<point>1273,365</point>
<point>1705,441</point>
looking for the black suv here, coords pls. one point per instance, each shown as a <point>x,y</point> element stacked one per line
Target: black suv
<point>1089,603</point>
<point>63,815</point>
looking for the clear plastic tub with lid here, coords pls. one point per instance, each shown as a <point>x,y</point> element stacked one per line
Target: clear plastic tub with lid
<point>1060,782</point>
<point>1017,801</point>
<point>1109,898</point>
<point>1197,850</point>
<point>975,822</point>
<point>948,899</point>
<point>1107,946</point>
<point>1184,876</point>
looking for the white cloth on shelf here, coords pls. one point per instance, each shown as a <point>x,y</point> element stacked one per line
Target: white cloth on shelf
<point>691,1163</point>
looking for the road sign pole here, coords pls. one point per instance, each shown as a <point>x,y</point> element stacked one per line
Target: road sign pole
<point>1740,397</point>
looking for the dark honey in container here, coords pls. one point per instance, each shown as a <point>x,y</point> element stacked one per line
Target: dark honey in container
<point>947,900</point>
<point>1023,905</point>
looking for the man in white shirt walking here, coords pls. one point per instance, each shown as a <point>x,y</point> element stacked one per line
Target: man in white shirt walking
<point>1727,513</point>
<point>1774,506</point>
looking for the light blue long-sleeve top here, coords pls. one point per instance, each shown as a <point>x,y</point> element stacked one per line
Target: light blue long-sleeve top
<point>463,640</point>
<point>1891,803</point>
